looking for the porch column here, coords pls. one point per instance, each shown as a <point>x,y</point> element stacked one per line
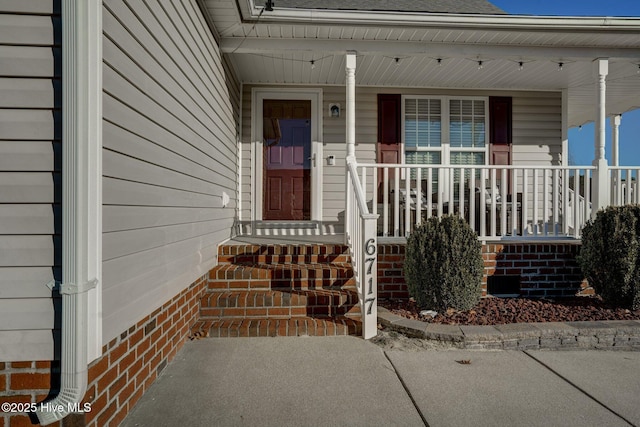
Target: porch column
<point>616,176</point>
<point>351,105</point>
<point>615,136</point>
<point>565,128</point>
<point>601,174</point>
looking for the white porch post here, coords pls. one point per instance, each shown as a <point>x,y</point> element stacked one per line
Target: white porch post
<point>350,134</point>
<point>600,176</point>
<point>351,104</point>
<point>615,136</point>
<point>565,128</point>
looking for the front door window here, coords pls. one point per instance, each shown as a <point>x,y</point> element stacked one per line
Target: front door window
<point>287,159</point>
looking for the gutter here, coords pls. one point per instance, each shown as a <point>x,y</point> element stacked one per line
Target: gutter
<point>81,204</point>
<point>391,18</point>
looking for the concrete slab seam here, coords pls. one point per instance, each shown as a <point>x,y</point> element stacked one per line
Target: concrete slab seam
<point>580,389</point>
<point>406,389</point>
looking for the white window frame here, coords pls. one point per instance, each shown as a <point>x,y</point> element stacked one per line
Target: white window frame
<point>445,148</point>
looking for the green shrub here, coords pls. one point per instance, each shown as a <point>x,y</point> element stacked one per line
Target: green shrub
<point>443,264</point>
<point>610,255</point>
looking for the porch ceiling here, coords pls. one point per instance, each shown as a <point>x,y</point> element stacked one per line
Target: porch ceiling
<point>275,49</point>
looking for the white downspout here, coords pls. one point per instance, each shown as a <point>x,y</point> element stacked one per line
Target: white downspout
<point>81,203</point>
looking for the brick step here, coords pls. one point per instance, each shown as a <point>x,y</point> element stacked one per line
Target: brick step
<point>281,304</point>
<point>263,327</point>
<point>281,276</point>
<point>282,254</point>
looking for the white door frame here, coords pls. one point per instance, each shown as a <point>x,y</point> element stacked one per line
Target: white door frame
<point>258,95</point>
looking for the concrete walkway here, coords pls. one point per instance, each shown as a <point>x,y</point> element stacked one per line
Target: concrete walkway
<point>346,381</point>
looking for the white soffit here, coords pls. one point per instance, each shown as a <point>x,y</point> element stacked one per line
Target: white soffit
<point>280,51</point>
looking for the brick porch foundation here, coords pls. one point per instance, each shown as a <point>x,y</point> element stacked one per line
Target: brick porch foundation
<point>543,270</point>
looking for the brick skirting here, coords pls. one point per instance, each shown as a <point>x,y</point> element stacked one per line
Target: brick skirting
<point>127,368</point>
<point>543,270</point>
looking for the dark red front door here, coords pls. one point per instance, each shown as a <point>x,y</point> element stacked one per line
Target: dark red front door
<point>287,159</point>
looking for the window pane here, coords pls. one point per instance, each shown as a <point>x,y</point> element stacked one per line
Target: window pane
<point>465,158</point>
<point>424,158</point>
<point>422,123</point>
<point>467,123</point>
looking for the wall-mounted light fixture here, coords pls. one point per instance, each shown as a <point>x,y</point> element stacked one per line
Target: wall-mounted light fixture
<point>334,110</point>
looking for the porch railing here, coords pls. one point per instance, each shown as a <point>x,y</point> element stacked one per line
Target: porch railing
<point>360,236</point>
<point>623,184</point>
<point>497,201</point>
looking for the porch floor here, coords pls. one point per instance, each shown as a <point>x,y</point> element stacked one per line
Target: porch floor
<point>336,239</point>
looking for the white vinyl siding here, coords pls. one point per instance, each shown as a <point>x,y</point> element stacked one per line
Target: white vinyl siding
<point>30,147</point>
<point>537,129</point>
<point>169,135</point>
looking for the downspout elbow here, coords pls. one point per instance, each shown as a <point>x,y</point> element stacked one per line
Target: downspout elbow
<point>74,355</point>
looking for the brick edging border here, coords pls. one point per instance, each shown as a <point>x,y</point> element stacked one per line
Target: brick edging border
<point>611,334</point>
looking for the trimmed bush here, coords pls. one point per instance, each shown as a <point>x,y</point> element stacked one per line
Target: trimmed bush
<point>610,255</point>
<point>443,264</point>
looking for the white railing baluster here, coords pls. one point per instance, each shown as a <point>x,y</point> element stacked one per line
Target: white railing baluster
<point>547,214</point>
<point>618,193</point>
<point>385,201</point>
<point>483,203</point>
<point>407,202</point>
<point>576,202</point>
<point>504,185</point>
<point>494,196</point>
<point>556,186</point>
<point>536,225</point>
<point>418,196</point>
<point>514,203</point>
<point>450,191</point>
<point>627,199</point>
<point>374,190</point>
<point>587,196</point>
<point>472,199</point>
<point>565,201</point>
<point>461,194</point>
<point>440,192</point>
<point>396,203</point>
<point>525,202</point>
<point>429,192</point>
<point>363,182</point>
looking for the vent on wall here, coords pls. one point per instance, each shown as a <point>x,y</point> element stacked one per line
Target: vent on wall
<point>503,285</point>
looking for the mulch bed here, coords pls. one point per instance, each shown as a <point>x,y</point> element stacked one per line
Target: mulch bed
<point>500,311</point>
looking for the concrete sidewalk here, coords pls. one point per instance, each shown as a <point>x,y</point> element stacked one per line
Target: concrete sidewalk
<point>346,381</point>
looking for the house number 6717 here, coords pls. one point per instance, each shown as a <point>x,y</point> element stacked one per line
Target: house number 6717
<point>370,249</point>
